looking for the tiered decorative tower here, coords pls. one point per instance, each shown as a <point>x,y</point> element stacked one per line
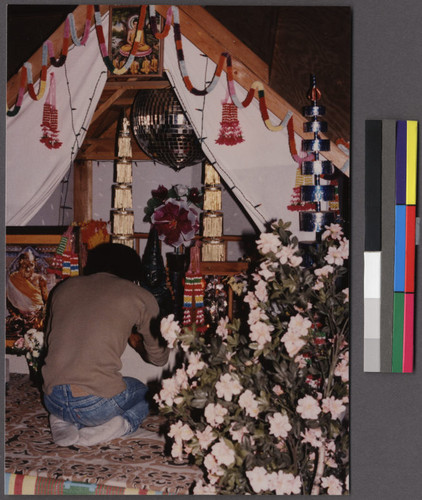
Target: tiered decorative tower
<point>122,217</point>
<point>213,248</point>
<point>317,219</point>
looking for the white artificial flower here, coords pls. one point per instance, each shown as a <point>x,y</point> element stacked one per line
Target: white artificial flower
<point>177,450</point>
<point>181,190</point>
<point>169,390</point>
<point>195,364</point>
<point>261,333</point>
<point>251,299</point>
<point>332,484</point>
<point>223,454</point>
<point>180,432</point>
<point>333,231</point>
<point>261,291</point>
<point>342,370</point>
<point>268,242</point>
<point>214,414</point>
<point>292,342</point>
<point>279,425</point>
<point>259,479</point>
<point>333,406</point>
<point>285,254</point>
<point>210,462</point>
<point>346,294</point>
<point>295,260</point>
<point>313,437</point>
<point>222,328</point>
<point>335,256</point>
<point>205,437</point>
<point>169,329</point>
<point>248,402</point>
<point>181,378</point>
<point>299,325</point>
<point>308,408</point>
<point>256,315</point>
<point>237,434</point>
<point>324,271</point>
<point>204,489</point>
<point>266,273</point>
<point>278,390</point>
<point>227,387</point>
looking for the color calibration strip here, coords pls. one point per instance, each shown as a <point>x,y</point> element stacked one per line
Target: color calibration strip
<point>390,239</point>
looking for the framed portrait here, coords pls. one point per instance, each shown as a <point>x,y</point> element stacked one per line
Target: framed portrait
<point>148,61</point>
<point>29,277</point>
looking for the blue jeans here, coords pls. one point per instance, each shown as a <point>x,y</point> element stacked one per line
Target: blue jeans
<point>89,411</point>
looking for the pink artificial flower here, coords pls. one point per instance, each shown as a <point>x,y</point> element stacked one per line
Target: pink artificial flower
<point>169,329</point>
<point>195,364</point>
<point>221,328</point>
<point>261,291</point>
<point>313,437</point>
<point>292,342</point>
<point>248,402</point>
<point>204,489</point>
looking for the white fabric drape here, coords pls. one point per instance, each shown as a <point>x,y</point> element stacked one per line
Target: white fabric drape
<point>260,170</point>
<point>32,170</point>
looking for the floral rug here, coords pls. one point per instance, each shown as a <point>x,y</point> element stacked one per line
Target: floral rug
<point>137,464</point>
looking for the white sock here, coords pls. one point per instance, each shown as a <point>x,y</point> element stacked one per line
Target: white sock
<point>114,428</point>
<point>64,433</point>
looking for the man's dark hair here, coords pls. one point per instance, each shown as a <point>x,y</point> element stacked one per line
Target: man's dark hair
<point>116,259</point>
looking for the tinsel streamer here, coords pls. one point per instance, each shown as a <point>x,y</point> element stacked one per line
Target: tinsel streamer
<point>213,251</point>
<point>211,176</point>
<point>43,80</point>
<point>230,132</point>
<point>22,84</point>
<point>122,197</point>
<point>65,49</point>
<point>292,145</point>
<point>212,199</point>
<point>124,172</point>
<point>212,225</point>
<point>123,223</point>
<point>50,119</point>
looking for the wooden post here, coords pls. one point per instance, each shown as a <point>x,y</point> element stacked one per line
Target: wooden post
<point>82,196</point>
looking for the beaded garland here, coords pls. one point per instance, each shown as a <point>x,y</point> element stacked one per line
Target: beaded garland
<point>172,15</point>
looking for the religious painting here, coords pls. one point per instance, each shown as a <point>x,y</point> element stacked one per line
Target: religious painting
<point>30,276</point>
<point>147,61</point>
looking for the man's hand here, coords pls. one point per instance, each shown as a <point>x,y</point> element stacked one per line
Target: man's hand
<point>136,341</point>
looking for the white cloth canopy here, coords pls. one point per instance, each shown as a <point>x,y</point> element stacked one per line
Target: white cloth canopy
<point>32,170</point>
<point>260,171</point>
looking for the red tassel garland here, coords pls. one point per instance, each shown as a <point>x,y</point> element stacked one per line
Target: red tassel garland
<point>230,131</point>
<point>50,119</point>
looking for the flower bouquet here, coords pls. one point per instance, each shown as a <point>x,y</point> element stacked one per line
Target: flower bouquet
<point>261,404</point>
<point>175,213</point>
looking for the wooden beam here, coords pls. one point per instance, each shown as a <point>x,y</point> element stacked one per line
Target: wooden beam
<point>211,39</point>
<point>82,197</point>
<point>104,149</point>
<point>56,38</point>
<point>136,85</point>
<point>105,105</point>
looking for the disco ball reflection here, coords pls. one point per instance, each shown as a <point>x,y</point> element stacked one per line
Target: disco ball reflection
<point>162,129</point>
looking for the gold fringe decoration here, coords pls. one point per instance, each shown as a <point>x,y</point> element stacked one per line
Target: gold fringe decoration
<point>213,225</point>
<point>122,196</point>
<point>213,251</point>
<point>124,172</point>
<point>212,199</point>
<point>211,177</point>
<point>123,223</point>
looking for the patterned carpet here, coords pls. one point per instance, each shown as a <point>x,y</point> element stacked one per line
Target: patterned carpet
<point>138,461</point>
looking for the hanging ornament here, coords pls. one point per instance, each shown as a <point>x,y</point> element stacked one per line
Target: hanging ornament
<point>230,131</point>
<point>50,118</point>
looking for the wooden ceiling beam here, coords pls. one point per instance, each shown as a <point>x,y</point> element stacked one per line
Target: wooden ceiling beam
<point>99,149</point>
<point>56,38</point>
<point>105,105</point>
<point>210,37</point>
